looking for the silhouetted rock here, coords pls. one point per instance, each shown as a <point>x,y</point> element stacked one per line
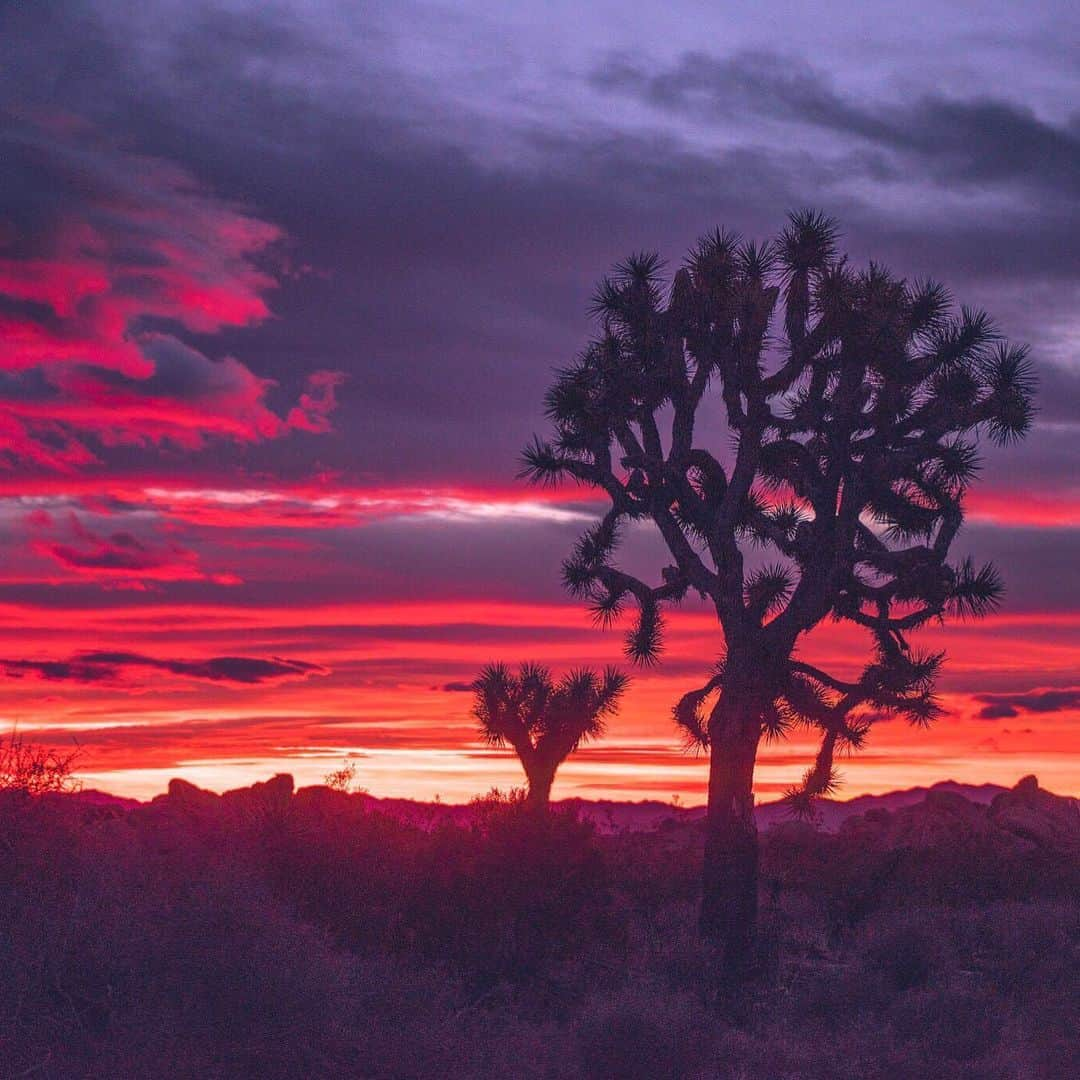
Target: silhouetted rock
<point>1024,818</point>
<point>261,803</point>
<point>277,790</point>
<point>187,795</point>
<point>94,797</point>
<point>830,814</point>
<point>318,798</point>
<point>941,819</point>
<point>1047,820</point>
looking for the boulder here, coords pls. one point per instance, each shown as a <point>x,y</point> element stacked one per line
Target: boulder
<point>1051,822</point>
<point>942,819</point>
<point>262,802</point>
<point>185,794</point>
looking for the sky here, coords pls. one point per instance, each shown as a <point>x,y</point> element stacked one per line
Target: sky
<point>282,286</point>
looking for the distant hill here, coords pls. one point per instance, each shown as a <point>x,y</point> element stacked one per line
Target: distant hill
<point>610,816</point>
<point>93,797</point>
<point>919,814</point>
<point>831,813</point>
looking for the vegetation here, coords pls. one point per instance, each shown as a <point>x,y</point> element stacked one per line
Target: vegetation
<point>272,934</point>
<point>343,778</point>
<point>33,769</point>
<point>544,721</point>
<point>852,403</point>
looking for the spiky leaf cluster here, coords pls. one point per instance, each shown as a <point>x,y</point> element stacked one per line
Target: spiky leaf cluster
<point>542,719</point>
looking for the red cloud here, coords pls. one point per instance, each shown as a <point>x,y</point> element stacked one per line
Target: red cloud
<point>121,246</point>
<point>121,555</point>
<point>317,403</point>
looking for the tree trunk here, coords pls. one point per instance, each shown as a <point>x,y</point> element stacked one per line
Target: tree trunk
<point>730,874</point>
<point>540,780</point>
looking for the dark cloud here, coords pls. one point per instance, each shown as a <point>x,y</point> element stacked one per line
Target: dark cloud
<point>1001,706</point>
<point>437,256</point>
<point>60,670</point>
<point>458,687</point>
<point>1037,564</point>
<point>93,667</point>
<point>106,256</point>
<point>978,141</point>
<point>1059,394</point>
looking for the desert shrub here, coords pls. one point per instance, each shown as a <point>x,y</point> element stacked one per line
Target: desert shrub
<point>112,943</point>
<point>514,892</point>
<point>646,1033</point>
<point>39,897</point>
<point>198,937</point>
<point>1028,949</point>
<point>347,870</point>
<point>501,897</point>
<point>901,953</point>
<point>954,1023</point>
<point>654,872</point>
<point>31,769</point>
<point>344,778</point>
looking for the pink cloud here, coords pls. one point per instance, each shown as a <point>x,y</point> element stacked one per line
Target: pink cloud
<point>119,556</point>
<point>130,245</point>
<point>317,403</point>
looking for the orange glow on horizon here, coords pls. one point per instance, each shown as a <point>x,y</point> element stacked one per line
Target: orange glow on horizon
<point>379,696</point>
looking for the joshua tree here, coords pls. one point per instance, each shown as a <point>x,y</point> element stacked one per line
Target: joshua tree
<point>542,720</point>
<point>852,402</point>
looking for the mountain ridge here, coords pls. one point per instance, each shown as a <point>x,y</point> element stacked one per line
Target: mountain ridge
<point>610,815</point>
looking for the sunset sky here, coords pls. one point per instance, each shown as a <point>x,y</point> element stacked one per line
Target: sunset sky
<point>282,286</point>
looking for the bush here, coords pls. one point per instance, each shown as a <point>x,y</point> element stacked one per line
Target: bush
<point>646,1033</point>
<point>196,937</point>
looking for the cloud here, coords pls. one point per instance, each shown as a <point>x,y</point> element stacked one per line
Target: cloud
<point>457,687</point>
<point>108,258</point>
<point>118,555</point>
<point>1001,706</point>
<point>979,140</point>
<point>111,667</point>
<point>329,504</point>
<point>444,255</point>
<point>317,402</point>
<point>100,240</point>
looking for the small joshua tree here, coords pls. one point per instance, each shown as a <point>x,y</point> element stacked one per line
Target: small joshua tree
<point>542,720</point>
<point>801,434</point>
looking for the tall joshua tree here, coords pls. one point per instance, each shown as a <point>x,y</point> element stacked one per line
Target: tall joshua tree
<point>542,720</point>
<point>852,401</point>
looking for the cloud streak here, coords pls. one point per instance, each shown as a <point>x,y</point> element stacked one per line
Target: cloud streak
<point>113,667</point>
<point>1002,706</point>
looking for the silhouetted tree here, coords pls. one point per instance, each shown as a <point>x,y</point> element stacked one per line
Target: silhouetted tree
<point>852,402</point>
<point>542,720</point>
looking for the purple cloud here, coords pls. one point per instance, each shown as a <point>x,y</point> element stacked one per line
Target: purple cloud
<point>1000,706</point>
<point>93,667</point>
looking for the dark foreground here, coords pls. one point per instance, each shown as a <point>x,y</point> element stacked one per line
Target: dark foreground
<point>272,934</point>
